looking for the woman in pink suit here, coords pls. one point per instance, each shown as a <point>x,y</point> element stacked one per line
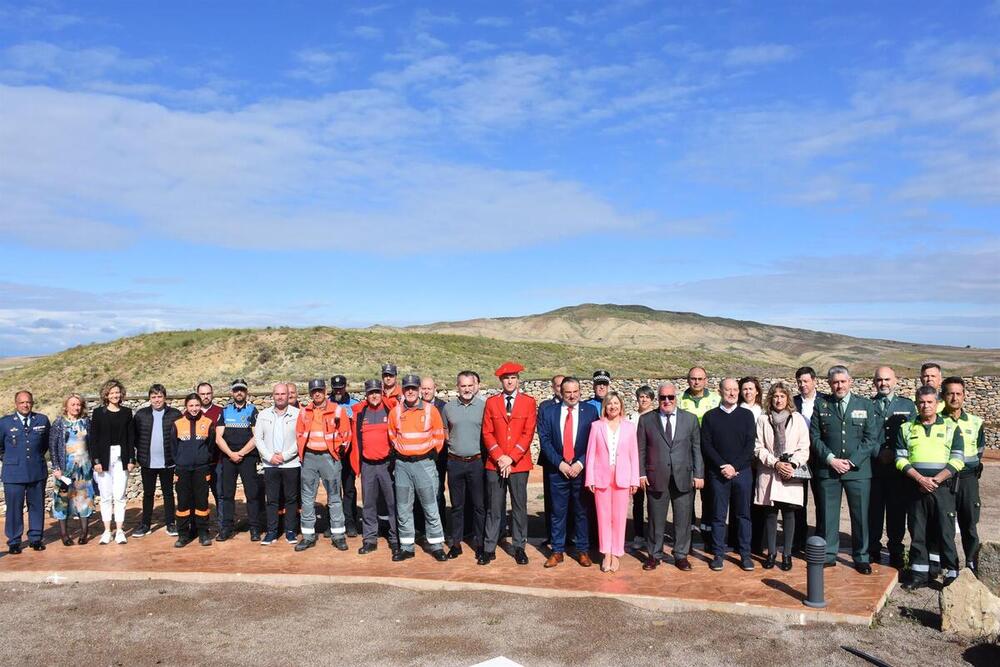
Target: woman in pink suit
<point>612,475</point>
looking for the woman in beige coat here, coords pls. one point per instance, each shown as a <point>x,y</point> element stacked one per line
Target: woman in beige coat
<point>782,446</point>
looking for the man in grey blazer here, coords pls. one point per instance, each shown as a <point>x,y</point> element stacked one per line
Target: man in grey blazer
<point>671,469</point>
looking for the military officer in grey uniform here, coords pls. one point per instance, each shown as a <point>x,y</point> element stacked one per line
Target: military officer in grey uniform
<point>844,434</point>
<point>888,496</point>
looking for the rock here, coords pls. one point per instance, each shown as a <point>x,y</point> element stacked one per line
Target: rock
<point>969,609</point>
<point>989,566</point>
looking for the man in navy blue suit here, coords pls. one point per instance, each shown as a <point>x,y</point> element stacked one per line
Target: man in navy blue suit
<point>24,439</point>
<point>563,429</point>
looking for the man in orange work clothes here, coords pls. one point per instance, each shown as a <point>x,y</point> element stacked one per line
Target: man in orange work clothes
<point>417,436</point>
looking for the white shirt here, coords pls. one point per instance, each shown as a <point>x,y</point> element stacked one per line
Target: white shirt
<point>807,406</point>
<point>613,444</point>
<point>673,421</point>
<point>562,423</point>
<point>728,410</point>
<point>755,409</point>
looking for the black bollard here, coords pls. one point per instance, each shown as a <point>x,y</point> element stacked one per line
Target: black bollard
<point>815,557</point>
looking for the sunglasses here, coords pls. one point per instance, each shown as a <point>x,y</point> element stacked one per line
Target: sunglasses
<point>667,397</point>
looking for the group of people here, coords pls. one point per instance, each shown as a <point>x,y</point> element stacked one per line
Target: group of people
<point>751,456</point>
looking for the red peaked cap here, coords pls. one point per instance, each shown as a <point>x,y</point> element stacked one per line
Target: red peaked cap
<point>509,368</point>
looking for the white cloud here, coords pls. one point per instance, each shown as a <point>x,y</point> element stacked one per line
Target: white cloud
<point>367,32</point>
<point>493,21</point>
<point>318,66</point>
<point>758,54</point>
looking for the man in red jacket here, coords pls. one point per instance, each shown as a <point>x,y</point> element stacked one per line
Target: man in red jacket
<point>371,457</point>
<point>508,427</point>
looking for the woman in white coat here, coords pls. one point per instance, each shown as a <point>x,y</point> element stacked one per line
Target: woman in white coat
<point>782,446</point>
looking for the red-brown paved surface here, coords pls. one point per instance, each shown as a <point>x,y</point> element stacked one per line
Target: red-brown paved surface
<point>851,597</point>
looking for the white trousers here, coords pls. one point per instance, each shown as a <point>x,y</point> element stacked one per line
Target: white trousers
<point>111,485</point>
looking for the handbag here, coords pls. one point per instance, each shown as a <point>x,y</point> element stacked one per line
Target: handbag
<point>802,472</point>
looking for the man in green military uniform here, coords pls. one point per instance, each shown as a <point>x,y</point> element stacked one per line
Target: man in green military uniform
<point>697,400</point>
<point>967,499</point>
<point>930,452</point>
<point>844,433</point>
<point>888,486</point>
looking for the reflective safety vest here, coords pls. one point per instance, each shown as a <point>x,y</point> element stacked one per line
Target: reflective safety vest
<point>699,406</point>
<point>336,428</point>
<point>930,449</point>
<point>416,431</point>
<point>972,433</point>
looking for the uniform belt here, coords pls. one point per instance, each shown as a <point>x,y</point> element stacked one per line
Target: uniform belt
<point>464,459</point>
<point>374,462</point>
<point>419,457</point>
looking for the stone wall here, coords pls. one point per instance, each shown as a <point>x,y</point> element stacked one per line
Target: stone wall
<point>983,399</point>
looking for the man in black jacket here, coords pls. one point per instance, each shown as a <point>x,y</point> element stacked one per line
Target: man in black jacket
<point>728,433</point>
<point>151,440</point>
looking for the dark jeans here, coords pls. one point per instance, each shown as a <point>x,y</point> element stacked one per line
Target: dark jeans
<point>731,496</point>
<point>280,482</point>
<point>465,486</point>
<point>149,477</point>
<point>247,471</point>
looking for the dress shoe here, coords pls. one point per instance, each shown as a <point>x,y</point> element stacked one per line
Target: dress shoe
<point>400,555</point>
<point>682,564</point>
<point>520,557</point>
<point>14,549</point>
<point>67,541</point>
<point>650,564</point>
<point>367,548</point>
<point>786,563</point>
<point>454,552</point>
<point>182,542</point>
<point>716,564</point>
<point>351,531</point>
<point>554,559</point>
<point>224,534</point>
<point>485,557</point>
<point>746,563</point>
<point>768,563</point>
<point>863,568</point>
<point>83,539</point>
<point>830,563</point>
<point>439,555</point>
<point>339,543</point>
<point>204,539</point>
<point>305,544</point>
<point>584,560</point>
<point>255,535</point>
<point>36,545</point>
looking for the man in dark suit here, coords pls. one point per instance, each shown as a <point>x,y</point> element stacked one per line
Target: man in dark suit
<point>555,399</point>
<point>563,431</point>
<point>24,439</point>
<point>670,469</point>
<point>805,380</point>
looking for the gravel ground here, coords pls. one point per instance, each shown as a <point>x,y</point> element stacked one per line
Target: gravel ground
<point>170,623</point>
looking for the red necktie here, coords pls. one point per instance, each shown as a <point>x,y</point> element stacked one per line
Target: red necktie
<point>568,448</point>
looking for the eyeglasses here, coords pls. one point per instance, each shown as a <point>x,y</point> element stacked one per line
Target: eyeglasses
<point>667,397</point>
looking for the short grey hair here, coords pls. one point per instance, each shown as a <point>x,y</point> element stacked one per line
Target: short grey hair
<point>927,390</point>
<point>724,380</point>
<point>664,385</point>
<point>837,370</point>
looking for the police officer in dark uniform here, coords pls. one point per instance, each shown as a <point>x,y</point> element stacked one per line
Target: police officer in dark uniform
<point>889,488</point>
<point>348,486</point>
<point>24,439</point>
<point>843,434</point>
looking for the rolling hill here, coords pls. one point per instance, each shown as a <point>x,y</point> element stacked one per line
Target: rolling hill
<point>631,341</point>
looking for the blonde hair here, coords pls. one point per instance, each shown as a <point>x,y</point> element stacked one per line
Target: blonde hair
<point>775,388</point>
<point>604,403</point>
<point>107,387</point>
<point>83,405</point>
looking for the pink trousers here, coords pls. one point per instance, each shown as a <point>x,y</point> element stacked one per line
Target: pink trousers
<point>612,509</point>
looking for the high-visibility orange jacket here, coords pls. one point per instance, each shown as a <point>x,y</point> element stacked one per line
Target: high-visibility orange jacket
<point>416,431</point>
<point>336,431</point>
<point>510,435</point>
<point>392,396</point>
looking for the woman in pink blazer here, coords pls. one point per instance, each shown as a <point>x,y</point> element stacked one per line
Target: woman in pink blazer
<point>612,475</point>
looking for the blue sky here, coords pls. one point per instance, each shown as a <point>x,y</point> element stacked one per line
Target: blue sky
<point>833,166</point>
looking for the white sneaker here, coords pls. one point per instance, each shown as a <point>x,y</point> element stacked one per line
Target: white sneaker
<point>120,537</point>
<point>106,537</point>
